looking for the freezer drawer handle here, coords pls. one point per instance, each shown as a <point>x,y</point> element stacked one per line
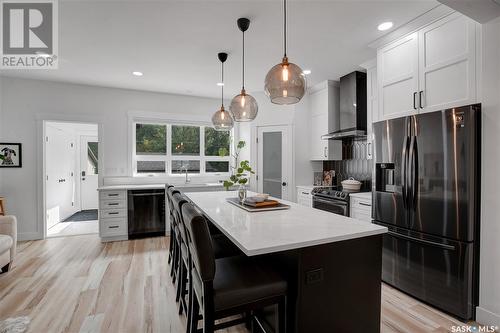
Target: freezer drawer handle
<point>422,241</point>
<point>364,204</point>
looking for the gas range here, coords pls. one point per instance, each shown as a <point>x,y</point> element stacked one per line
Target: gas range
<point>335,193</point>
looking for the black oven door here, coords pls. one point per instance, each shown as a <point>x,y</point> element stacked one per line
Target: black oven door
<point>331,205</point>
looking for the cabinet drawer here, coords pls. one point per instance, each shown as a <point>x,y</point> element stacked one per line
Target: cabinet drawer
<point>113,204</point>
<point>113,195</point>
<point>362,204</point>
<point>113,227</point>
<point>361,215</point>
<point>112,213</point>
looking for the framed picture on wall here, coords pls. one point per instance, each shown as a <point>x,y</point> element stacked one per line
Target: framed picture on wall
<point>11,155</point>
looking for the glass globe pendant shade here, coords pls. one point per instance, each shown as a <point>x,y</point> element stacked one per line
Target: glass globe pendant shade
<point>285,83</point>
<point>244,107</point>
<point>222,120</point>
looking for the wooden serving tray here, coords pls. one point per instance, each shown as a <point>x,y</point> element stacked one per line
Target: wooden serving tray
<point>236,202</point>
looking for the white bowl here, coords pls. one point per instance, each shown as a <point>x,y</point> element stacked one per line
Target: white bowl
<point>351,184</point>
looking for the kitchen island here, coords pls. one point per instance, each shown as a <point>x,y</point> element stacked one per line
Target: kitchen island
<point>332,263</point>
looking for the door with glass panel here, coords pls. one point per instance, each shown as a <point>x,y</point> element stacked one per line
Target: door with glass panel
<point>274,166</point>
<point>89,170</point>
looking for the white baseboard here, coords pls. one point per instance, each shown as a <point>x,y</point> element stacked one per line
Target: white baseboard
<point>486,317</point>
<point>25,236</point>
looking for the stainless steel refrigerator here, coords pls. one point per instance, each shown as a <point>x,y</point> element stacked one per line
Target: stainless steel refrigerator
<point>426,191</point>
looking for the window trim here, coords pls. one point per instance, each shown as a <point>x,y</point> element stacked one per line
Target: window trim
<point>170,157</point>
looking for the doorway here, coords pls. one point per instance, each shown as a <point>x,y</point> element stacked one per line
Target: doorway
<point>274,156</point>
<point>71,178</point>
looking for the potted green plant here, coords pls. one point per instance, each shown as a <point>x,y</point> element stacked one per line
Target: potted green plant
<point>241,171</point>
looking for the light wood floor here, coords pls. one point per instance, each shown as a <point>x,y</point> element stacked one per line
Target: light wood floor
<point>78,284</point>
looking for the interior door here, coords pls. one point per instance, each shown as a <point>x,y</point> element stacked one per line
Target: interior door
<point>447,63</point>
<point>398,77</point>
<point>59,178</point>
<point>89,170</point>
<point>274,165</point>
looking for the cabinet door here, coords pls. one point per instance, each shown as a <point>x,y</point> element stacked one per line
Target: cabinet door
<point>372,108</point>
<point>319,127</point>
<point>397,66</point>
<point>447,63</point>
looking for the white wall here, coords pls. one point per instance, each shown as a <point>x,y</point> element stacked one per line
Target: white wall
<point>297,117</point>
<point>488,311</point>
<point>26,102</point>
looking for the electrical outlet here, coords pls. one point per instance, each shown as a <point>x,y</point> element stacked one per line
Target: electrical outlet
<point>314,276</point>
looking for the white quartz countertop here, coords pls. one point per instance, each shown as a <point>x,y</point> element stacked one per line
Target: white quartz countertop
<point>362,195</point>
<point>281,230</point>
<point>155,186</point>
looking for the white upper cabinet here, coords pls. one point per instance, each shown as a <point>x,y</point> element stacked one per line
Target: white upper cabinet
<point>372,115</point>
<point>397,67</point>
<point>428,70</point>
<point>324,104</point>
<point>447,63</point>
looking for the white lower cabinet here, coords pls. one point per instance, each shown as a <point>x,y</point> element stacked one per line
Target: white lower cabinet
<point>304,196</point>
<point>361,207</point>
<point>113,219</point>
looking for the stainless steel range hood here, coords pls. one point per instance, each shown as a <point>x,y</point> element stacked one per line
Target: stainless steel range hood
<point>352,107</point>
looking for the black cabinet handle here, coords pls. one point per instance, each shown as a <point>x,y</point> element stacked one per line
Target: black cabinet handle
<point>113,204</point>
<point>364,204</point>
<point>113,227</point>
<point>420,99</point>
<point>113,195</point>
<point>306,193</point>
<point>414,98</point>
<point>113,213</point>
<point>284,183</point>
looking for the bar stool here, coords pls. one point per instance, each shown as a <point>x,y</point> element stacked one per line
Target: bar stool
<point>174,235</point>
<point>227,286</point>
<point>178,201</point>
<point>171,245</point>
<point>2,207</point>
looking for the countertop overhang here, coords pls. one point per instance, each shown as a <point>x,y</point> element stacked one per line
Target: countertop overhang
<point>282,230</point>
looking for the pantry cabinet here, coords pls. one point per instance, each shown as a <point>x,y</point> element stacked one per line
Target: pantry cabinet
<point>324,105</point>
<point>431,69</point>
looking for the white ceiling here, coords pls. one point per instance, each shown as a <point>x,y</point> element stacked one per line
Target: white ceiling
<point>175,43</point>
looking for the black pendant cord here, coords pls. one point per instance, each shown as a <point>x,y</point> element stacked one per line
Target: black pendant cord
<point>222,87</point>
<point>284,25</point>
<point>243,63</point>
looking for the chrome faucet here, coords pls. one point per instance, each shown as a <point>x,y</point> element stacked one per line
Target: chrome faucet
<point>186,171</point>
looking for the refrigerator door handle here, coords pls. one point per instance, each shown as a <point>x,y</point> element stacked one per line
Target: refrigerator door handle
<point>412,174</point>
<point>404,171</point>
<point>421,241</point>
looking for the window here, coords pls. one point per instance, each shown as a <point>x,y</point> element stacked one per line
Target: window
<point>173,149</point>
<point>150,139</point>
<point>185,140</point>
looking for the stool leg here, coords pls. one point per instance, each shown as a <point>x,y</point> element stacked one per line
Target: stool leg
<point>195,311</point>
<point>170,246</point>
<point>180,273</point>
<point>282,315</point>
<point>189,305</point>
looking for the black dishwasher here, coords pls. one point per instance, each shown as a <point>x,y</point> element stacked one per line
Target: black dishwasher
<point>146,213</point>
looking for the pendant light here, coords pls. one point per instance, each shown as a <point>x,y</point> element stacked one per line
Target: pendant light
<point>221,119</point>
<point>243,106</point>
<point>285,83</point>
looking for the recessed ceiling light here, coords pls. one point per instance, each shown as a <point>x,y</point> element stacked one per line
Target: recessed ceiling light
<point>220,84</point>
<point>137,73</point>
<point>306,71</point>
<point>385,26</point>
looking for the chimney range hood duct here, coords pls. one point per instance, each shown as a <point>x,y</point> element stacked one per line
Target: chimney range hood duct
<point>352,107</point>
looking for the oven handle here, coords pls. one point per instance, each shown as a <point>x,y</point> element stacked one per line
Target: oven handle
<point>343,203</point>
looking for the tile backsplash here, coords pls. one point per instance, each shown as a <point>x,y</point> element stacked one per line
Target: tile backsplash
<point>354,163</point>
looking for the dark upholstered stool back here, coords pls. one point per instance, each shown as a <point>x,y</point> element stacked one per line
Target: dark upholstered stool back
<point>178,200</point>
<point>199,242</point>
<point>170,192</point>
